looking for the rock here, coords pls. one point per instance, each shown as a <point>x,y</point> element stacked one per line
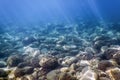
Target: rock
<point>53,75</point>
<point>103,75</point>
<point>28,40</point>
<point>88,74</point>
<point>104,78</point>
<point>49,62</point>
<point>73,52</point>
<point>3,73</point>
<point>28,77</point>
<point>73,66</point>
<point>65,69</point>
<point>94,63</point>
<point>81,65</point>
<point>98,44</point>
<point>84,63</point>
<point>24,78</point>
<point>110,52</point>
<point>23,71</point>
<point>100,41</point>
<point>3,64</point>
<point>23,64</point>
<point>116,57</point>
<point>101,38</point>
<point>114,73</point>
<point>89,50</point>
<point>57,75</point>
<point>66,76</point>
<point>14,60</point>
<point>84,56</point>
<point>34,62</point>
<point>104,64</point>
<point>32,52</point>
<point>69,60</point>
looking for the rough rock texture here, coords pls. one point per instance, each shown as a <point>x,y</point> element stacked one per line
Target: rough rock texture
<point>114,73</point>
<point>88,74</point>
<point>104,64</point>
<point>49,62</point>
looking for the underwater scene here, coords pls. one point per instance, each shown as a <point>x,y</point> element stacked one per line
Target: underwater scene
<point>59,39</point>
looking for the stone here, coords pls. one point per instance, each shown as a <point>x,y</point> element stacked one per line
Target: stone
<point>3,73</point>
<point>3,64</point>
<point>28,40</point>
<point>116,57</point>
<point>57,75</point>
<point>34,62</point>
<point>49,62</point>
<point>73,66</point>
<point>14,60</point>
<point>114,73</point>
<point>83,63</point>
<point>66,76</point>
<point>100,41</point>
<point>104,64</point>
<point>84,56</point>
<point>31,52</point>
<point>88,74</point>
<point>104,78</point>
<point>53,75</point>
<point>23,64</point>
<point>65,69</point>
<point>69,60</point>
<point>110,52</point>
<point>23,71</point>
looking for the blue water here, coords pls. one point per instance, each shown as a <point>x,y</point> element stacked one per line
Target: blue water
<point>69,11</point>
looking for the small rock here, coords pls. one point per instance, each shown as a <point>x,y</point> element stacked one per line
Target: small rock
<point>104,64</point>
<point>3,64</point>
<point>22,71</point>
<point>84,56</point>
<point>28,40</point>
<point>116,57</point>
<point>65,69</point>
<point>3,73</point>
<point>23,64</point>
<point>83,63</point>
<point>49,62</point>
<point>14,60</point>
<point>110,52</point>
<point>104,78</point>
<point>66,76</point>
<point>53,75</point>
<point>88,74</point>
<point>114,73</point>
<point>69,61</point>
<point>73,66</point>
